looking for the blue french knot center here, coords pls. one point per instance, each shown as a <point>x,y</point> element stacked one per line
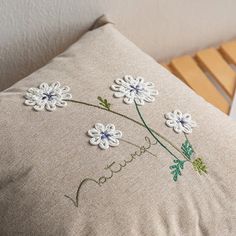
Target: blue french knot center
<point>49,96</point>
<point>136,88</point>
<point>182,121</point>
<point>105,135</point>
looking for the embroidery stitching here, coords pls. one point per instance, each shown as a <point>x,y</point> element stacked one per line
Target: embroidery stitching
<point>47,96</point>
<point>176,169</point>
<point>187,149</point>
<point>180,122</point>
<point>104,103</point>
<point>184,123</point>
<point>104,136</point>
<point>186,126</point>
<point>199,166</point>
<point>112,168</point>
<point>134,89</point>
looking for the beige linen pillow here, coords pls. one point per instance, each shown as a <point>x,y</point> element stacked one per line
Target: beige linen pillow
<point>119,159</point>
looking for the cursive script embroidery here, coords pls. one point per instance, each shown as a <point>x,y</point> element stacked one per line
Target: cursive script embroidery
<point>113,168</point>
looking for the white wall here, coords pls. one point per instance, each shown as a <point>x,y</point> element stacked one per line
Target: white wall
<point>34,31</point>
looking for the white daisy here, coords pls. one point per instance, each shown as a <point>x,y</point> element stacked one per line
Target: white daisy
<point>47,96</point>
<point>134,89</point>
<point>104,136</point>
<point>180,122</point>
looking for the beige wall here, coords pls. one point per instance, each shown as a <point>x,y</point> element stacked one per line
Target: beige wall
<point>33,31</point>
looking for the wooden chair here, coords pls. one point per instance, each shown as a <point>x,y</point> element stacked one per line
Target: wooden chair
<point>210,73</point>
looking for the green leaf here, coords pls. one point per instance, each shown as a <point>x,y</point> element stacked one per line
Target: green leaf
<point>104,103</point>
<point>176,169</point>
<point>187,149</point>
<point>100,99</point>
<point>199,166</point>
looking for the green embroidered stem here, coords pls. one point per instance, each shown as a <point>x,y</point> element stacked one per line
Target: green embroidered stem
<point>126,117</point>
<point>102,108</point>
<point>150,131</point>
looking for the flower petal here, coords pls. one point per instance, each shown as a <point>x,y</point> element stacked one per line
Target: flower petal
<point>178,114</point>
<point>171,123</point>
<point>113,142</point>
<point>43,86</point>
<point>104,144</point>
<point>39,107</point>
<point>170,116</point>
<point>55,85</point>
<point>110,128</point>
<point>65,89</point>
<point>95,140</point>
<point>139,101</point>
<point>100,127</point>
<point>30,102</point>
<point>66,96</point>
<point>150,85</point>
<point>94,133</point>
<point>187,129</point>
<point>119,94</point>
<point>117,134</point>
<point>61,103</point>
<point>187,117</point>
<point>129,79</point>
<point>178,128</point>
<point>149,99</point>
<point>116,87</point>
<point>128,100</point>
<point>139,79</point>
<point>50,106</point>
<point>119,81</point>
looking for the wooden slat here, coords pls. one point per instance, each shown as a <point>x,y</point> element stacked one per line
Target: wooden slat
<point>190,72</point>
<point>166,66</point>
<point>219,69</point>
<point>171,69</point>
<point>229,51</point>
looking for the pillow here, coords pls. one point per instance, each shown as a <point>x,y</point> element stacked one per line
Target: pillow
<point>104,141</point>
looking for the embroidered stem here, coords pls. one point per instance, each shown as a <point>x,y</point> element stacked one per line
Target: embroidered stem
<point>126,117</point>
<point>101,108</point>
<point>150,131</point>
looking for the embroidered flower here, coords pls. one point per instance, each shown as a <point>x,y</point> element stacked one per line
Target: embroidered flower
<point>180,122</point>
<point>47,96</point>
<point>134,89</point>
<point>104,136</point>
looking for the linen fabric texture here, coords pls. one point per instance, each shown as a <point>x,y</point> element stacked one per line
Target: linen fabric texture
<point>45,155</point>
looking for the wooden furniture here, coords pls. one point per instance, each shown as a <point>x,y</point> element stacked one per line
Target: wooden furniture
<point>209,73</point>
